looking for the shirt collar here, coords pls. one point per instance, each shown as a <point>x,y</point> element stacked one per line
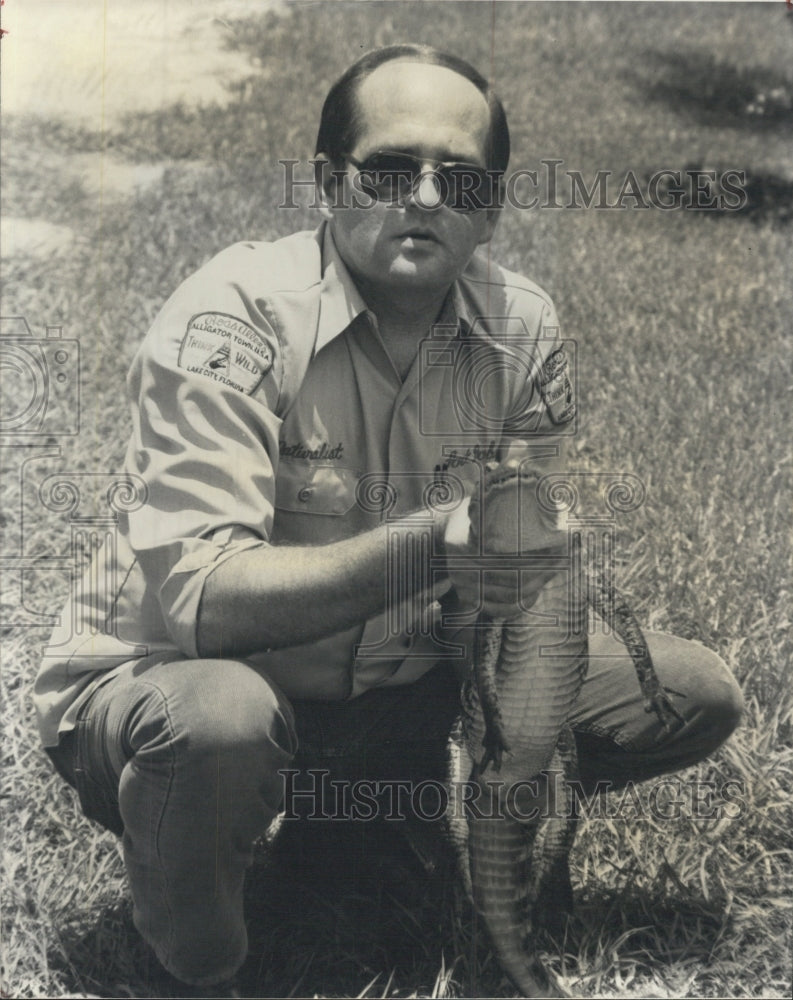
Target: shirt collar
<point>463,310</point>
<point>340,301</point>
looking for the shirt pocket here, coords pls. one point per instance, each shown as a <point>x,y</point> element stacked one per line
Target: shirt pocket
<point>315,489</point>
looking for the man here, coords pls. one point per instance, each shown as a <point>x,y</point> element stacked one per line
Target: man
<point>293,404</point>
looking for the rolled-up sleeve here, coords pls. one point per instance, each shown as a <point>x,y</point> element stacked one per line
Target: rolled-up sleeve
<point>205,442</point>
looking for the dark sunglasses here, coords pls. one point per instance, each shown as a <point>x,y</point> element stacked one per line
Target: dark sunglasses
<point>392,177</point>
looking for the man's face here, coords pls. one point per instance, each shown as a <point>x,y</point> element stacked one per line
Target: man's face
<point>430,112</point>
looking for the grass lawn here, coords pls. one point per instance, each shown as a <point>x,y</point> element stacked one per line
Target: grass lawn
<point>683,322</point>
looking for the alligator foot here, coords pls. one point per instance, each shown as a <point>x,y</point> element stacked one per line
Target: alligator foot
<point>658,701</point>
<point>495,747</point>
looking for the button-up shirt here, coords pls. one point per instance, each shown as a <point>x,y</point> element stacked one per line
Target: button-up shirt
<point>266,410</point>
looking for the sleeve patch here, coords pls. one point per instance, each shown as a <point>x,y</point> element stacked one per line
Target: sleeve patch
<point>556,387</point>
<point>227,350</point>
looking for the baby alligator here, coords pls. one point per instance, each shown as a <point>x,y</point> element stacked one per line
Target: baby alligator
<point>525,682</point>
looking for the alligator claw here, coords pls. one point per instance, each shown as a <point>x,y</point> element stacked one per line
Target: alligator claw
<point>660,703</point>
<point>494,754</point>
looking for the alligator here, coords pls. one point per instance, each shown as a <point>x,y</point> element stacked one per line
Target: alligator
<point>513,737</point>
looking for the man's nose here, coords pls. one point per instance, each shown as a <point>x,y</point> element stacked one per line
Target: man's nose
<point>426,191</point>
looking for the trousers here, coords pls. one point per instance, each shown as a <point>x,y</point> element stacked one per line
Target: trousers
<point>185,761</point>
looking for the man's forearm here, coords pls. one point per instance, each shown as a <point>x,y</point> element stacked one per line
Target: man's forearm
<point>278,596</point>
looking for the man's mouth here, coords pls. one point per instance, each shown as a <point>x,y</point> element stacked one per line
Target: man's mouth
<point>418,235</point>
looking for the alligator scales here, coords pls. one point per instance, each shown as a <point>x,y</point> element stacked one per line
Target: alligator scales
<point>514,728</point>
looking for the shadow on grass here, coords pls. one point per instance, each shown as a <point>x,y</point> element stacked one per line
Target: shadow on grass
<point>619,931</point>
<point>337,904</point>
<point>334,907</point>
<point>768,198</point>
<point>103,955</point>
<point>329,908</point>
<point>649,916</point>
<point>764,197</point>
<point>715,92</point>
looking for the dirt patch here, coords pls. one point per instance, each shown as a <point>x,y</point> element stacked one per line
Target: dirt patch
<point>96,60</point>
<point>22,237</point>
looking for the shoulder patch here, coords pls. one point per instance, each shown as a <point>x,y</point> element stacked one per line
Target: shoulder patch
<point>227,350</point>
<point>556,387</point>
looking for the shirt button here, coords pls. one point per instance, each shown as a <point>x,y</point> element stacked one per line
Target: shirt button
<point>305,494</point>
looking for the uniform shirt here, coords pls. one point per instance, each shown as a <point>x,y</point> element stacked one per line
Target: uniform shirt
<point>266,410</point>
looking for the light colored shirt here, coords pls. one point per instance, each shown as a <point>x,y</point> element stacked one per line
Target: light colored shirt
<point>266,410</point>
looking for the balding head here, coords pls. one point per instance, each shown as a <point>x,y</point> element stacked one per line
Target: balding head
<point>347,101</point>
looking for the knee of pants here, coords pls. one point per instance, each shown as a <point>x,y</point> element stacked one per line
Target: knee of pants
<point>213,708</point>
<point>715,701</point>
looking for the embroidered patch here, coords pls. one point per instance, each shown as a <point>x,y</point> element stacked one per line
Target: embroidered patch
<point>556,388</point>
<point>225,349</point>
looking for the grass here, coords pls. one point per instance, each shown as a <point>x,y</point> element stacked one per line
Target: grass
<point>683,321</point>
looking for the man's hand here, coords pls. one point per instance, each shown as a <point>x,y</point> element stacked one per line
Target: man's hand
<point>502,589</point>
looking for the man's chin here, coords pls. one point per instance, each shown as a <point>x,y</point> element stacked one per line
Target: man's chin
<point>415,272</point>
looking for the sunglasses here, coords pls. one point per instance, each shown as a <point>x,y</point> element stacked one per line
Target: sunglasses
<point>392,177</point>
